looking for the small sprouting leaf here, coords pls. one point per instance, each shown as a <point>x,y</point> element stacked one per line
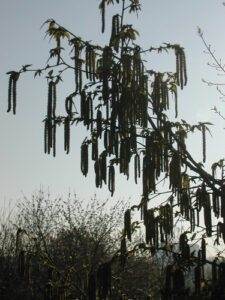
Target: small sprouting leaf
<point>50,73</point>
<point>100,5</point>
<point>193,236</point>
<point>174,88</point>
<point>52,24</point>
<point>10,72</point>
<point>58,79</point>
<point>176,214</point>
<point>38,72</point>
<point>24,68</point>
<point>131,34</point>
<point>168,247</point>
<point>186,182</point>
<point>66,34</point>
<point>202,284</point>
<point>137,32</point>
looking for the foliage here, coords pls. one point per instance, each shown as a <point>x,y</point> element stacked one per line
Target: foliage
<point>61,243</point>
<point>123,106</point>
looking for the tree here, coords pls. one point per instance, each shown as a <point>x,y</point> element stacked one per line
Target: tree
<point>63,241</point>
<point>123,104</point>
<point>217,65</point>
<point>69,238</point>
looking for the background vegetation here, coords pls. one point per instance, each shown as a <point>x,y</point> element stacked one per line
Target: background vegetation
<point>124,105</point>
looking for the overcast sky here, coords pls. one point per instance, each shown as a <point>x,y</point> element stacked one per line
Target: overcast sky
<point>24,167</point>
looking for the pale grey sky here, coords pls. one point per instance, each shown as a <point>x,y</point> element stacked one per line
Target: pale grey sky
<point>23,165</point>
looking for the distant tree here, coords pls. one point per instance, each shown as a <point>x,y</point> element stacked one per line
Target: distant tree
<point>62,242</point>
<point>70,238</point>
<point>122,103</point>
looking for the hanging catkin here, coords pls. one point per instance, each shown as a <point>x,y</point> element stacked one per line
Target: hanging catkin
<point>178,283</point>
<point>207,211</point>
<point>87,61</point>
<point>50,99</point>
<point>148,175</point>
<point>80,82</point>
<point>175,172</point>
<point>221,273</point>
<point>103,163</point>
<point>156,237</point>
<point>22,263</point>
<point>50,124</point>
<point>91,288</point>
<point>49,288</point>
<point>150,227</point>
<point>46,136</point>
<point>184,247</point>
<point>82,104</point>
<point>54,138</point>
<point>114,33</point>
<point>98,174</point>
<point>168,219</point>
<point>93,64</point>
<point>102,7</point>
<point>181,72</point>
<point>220,231</point>
<point>203,251</point>
<point>84,159</point>
<point>58,43</point>
<point>216,204</point>
<point>214,272</point>
<point>104,280</point>
<point>222,202</point>
<point>123,250</point>
<point>106,68</point>
<point>68,106</point>
<point>12,92</point>
<point>197,280</point>
<point>94,143</point>
<point>111,180</point>
<point>90,63</point>
<point>156,93</point>
<point>99,123</point>
<point>88,104</point>
<point>192,219</point>
<point>106,139</point>
<point>77,51</point>
<point>18,240</point>
<point>168,283</point>
<point>67,134</point>
<point>78,73</point>
<point>127,224</point>
<point>137,170</point>
<point>203,143</point>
